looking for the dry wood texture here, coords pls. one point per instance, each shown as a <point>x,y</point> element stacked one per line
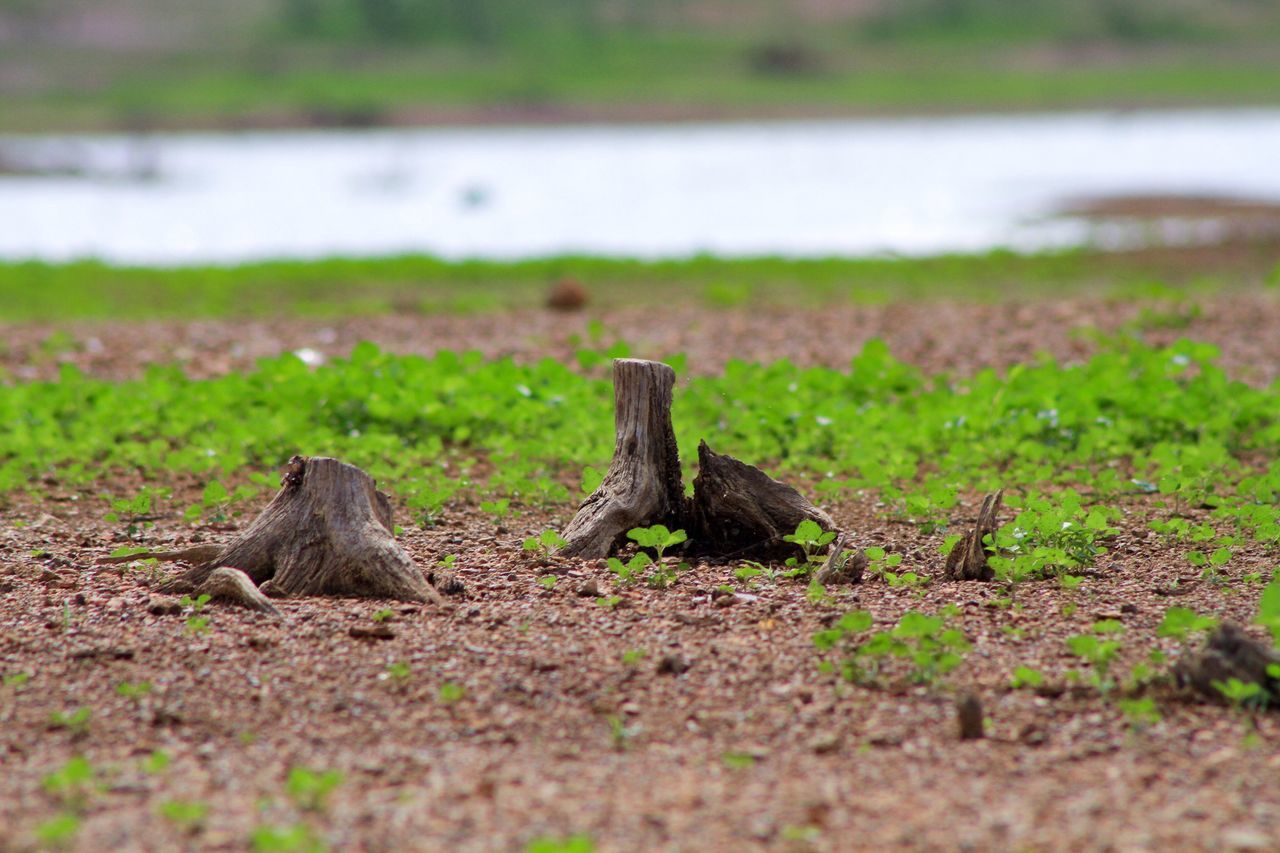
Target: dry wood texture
<point>736,510</point>
<point>968,559</point>
<point>642,486</point>
<point>327,532</point>
<point>234,587</point>
<point>739,510</point>
<point>1230,653</point>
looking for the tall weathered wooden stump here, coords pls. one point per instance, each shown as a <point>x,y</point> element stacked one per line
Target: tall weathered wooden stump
<point>642,486</point>
<point>736,510</point>
<point>328,531</point>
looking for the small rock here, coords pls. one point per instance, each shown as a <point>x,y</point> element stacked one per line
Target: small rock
<point>1247,838</point>
<point>725,601</point>
<point>115,605</point>
<point>1032,735</point>
<point>825,743</point>
<point>376,631</point>
<point>673,664</point>
<point>108,652</point>
<point>1128,608</point>
<point>589,589</point>
<point>259,642</point>
<point>567,294</point>
<point>163,605</point>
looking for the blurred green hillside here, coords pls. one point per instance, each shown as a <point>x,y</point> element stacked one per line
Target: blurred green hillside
<point>135,64</point>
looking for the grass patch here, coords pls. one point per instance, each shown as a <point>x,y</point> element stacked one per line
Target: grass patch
<point>1131,420</point>
<point>39,291</point>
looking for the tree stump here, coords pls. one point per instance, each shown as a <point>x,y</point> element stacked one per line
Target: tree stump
<point>327,532</point>
<point>736,510</point>
<point>968,559</point>
<point>739,510</point>
<point>1229,653</point>
<point>642,486</point>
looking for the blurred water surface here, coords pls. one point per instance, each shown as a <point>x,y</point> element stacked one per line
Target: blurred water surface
<point>910,186</point>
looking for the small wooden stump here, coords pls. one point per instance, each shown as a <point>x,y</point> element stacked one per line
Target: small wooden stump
<point>327,532</point>
<point>736,510</point>
<point>1229,653</point>
<point>968,559</point>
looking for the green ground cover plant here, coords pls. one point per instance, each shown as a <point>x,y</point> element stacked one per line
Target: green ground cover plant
<point>1130,415</point>
<point>34,290</point>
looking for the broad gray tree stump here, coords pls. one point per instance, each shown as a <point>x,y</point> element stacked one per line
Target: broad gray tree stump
<point>736,511</point>
<point>328,531</point>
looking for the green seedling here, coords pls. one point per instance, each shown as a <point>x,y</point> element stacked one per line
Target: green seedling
<point>384,615</point>
<point>1141,712</point>
<point>398,673</point>
<point>738,760</point>
<point>156,762</point>
<point>451,692</point>
<point>572,844</point>
<point>1183,624</point>
<point>1098,651</point>
<point>811,538</point>
<point>76,722</point>
<point>545,543</point>
<point>17,680</point>
<point>547,581</point>
<point>1025,676</point>
<point>134,691</point>
<point>499,509</point>
<point>657,537</point>
<point>310,789</point>
<point>187,816</point>
<point>879,562</point>
<point>59,832</point>
<point>632,571</point>
<point>298,838</point>
<point>1242,694</point>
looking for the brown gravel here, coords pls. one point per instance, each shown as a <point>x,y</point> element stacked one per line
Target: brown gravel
<point>533,748</point>
<point>556,734</point>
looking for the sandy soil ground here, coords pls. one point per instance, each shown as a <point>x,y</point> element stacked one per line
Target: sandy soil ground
<point>716,733</point>
<point>936,336</point>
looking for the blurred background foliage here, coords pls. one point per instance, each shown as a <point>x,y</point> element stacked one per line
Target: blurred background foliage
<point>73,64</point>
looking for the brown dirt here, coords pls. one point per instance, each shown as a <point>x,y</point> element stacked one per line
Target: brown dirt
<point>556,734</point>
<point>937,336</point>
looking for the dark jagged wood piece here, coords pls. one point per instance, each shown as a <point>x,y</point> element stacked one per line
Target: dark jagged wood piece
<point>327,532</point>
<point>968,559</point>
<point>643,485</point>
<point>1229,653</point>
<point>739,510</point>
<point>969,717</point>
<point>841,567</point>
<point>234,587</point>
